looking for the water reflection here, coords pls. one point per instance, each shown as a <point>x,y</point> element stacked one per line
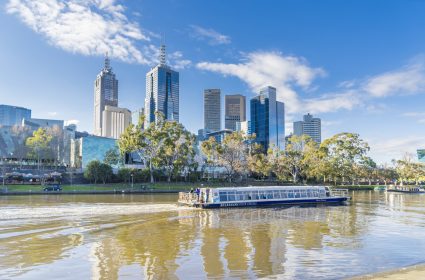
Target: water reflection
<point>149,237</point>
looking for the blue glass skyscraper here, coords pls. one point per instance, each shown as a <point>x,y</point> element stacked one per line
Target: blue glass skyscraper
<point>162,92</point>
<point>268,119</point>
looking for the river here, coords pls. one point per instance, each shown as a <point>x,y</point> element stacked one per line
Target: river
<point>150,237</point>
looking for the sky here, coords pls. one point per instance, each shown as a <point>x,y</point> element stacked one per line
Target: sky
<point>358,65</point>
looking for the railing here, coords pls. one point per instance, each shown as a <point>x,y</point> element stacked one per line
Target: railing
<point>339,192</point>
<point>189,198</point>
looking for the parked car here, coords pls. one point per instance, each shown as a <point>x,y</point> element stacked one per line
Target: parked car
<point>52,188</point>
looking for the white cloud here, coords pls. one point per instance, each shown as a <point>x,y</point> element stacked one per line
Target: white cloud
<point>213,37</point>
<point>68,122</point>
<point>408,80</point>
<point>261,69</point>
<point>386,150</point>
<point>91,27</point>
<point>418,116</point>
<point>52,114</point>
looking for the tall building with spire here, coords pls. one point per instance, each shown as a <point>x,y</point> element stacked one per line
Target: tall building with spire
<point>105,94</point>
<point>162,91</point>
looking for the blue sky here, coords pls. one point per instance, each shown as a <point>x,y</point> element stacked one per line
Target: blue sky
<point>358,65</point>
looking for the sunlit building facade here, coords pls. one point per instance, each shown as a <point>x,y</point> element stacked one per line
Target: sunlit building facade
<point>235,110</point>
<point>309,126</point>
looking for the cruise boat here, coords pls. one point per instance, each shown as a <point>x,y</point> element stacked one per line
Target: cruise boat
<point>262,196</point>
<point>406,189</point>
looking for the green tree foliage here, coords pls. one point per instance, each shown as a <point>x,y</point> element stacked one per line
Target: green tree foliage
<point>38,145</point>
<point>97,171</point>
<point>407,170</point>
<point>177,151</point>
<point>340,153</point>
<point>113,157</point>
<point>231,154</point>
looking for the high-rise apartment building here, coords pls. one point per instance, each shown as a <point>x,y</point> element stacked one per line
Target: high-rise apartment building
<point>268,119</point>
<point>13,115</point>
<point>162,92</point>
<point>235,110</point>
<point>212,110</point>
<point>309,126</point>
<point>115,121</point>
<point>105,94</point>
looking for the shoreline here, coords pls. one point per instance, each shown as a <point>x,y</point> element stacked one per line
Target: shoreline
<point>88,192</point>
<point>416,271</point>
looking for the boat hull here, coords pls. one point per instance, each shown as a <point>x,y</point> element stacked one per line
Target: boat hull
<point>401,191</point>
<point>265,203</point>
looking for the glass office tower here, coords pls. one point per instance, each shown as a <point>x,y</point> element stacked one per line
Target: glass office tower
<point>268,119</point>
<point>162,92</point>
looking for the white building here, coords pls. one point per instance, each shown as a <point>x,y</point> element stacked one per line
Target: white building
<point>115,121</point>
<point>309,126</point>
<point>162,92</point>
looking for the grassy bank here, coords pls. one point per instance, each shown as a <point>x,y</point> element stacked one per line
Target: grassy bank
<point>144,187</point>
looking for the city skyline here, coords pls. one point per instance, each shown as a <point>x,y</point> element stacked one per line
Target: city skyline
<point>333,68</point>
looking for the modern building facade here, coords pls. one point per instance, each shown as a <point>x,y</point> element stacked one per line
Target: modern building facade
<point>13,115</point>
<point>86,149</point>
<point>105,94</point>
<point>43,123</point>
<point>244,127</point>
<point>135,116</point>
<point>235,110</point>
<point>115,121</point>
<point>212,109</point>
<point>421,155</point>
<point>162,92</point>
<point>268,119</point>
<point>309,126</point>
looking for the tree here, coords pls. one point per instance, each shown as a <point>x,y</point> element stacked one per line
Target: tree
<point>258,162</point>
<point>38,144</point>
<point>231,154</point>
<point>97,170</point>
<point>146,143</point>
<point>408,170</point>
<point>341,152</point>
<point>92,171</point>
<point>293,156</point>
<point>113,157</point>
<point>177,150</point>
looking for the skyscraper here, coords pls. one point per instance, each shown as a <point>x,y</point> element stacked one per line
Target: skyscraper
<point>162,92</point>
<point>13,115</point>
<point>309,126</point>
<point>268,119</point>
<point>105,93</point>
<point>235,110</point>
<point>212,110</point>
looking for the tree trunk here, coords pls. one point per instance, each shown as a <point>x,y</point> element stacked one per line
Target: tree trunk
<point>151,171</point>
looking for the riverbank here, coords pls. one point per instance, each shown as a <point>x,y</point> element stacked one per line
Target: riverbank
<point>128,188</point>
<point>405,273</point>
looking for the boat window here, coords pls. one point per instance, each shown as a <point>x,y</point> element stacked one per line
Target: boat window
<point>262,194</point>
<point>291,194</point>
<point>223,196</point>
<point>254,195</point>
<point>276,194</point>
<point>283,194</point>
<point>310,193</point>
<point>241,196</point>
<point>269,194</point>
<point>303,193</point>
<point>297,194</point>
<point>231,196</point>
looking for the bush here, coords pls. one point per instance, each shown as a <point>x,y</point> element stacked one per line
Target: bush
<point>96,171</point>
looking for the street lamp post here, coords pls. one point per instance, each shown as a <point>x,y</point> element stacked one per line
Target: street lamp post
<point>132,181</point>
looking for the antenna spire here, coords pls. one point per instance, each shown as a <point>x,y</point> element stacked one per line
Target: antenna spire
<point>162,55</point>
<point>107,62</point>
